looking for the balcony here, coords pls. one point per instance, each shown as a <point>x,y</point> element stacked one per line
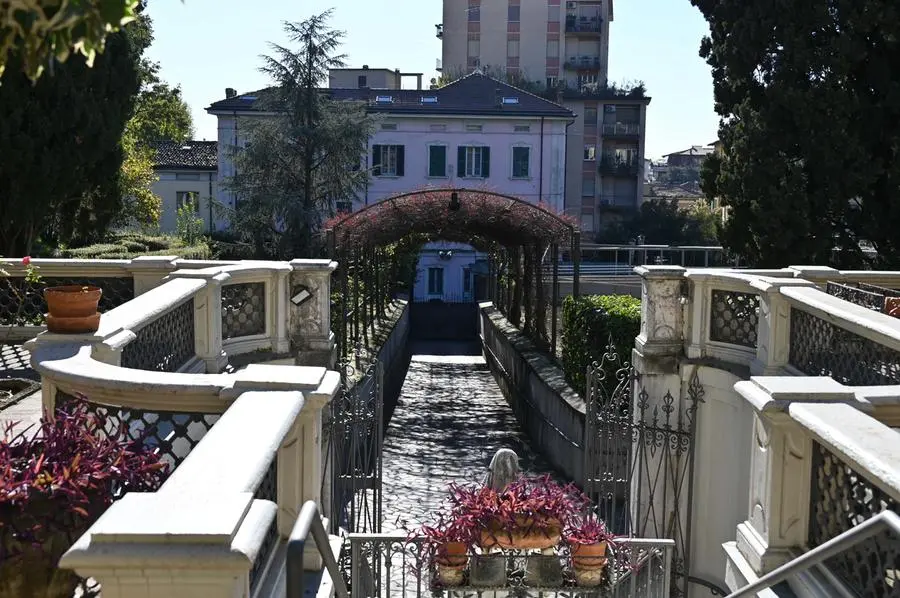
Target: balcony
<point>582,63</point>
<point>622,130</point>
<point>610,164</point>
<point>617,201</point>
<point>584,26</point>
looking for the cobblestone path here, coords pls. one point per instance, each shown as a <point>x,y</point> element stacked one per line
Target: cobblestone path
<point>450,420</point>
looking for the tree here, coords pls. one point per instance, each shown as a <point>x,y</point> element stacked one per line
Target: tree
<point>60,142</point>
<point>298,163</point>
<point>662,222</point>
<point>810,125</point>
<point>34,33</point>
<point>162,114</point>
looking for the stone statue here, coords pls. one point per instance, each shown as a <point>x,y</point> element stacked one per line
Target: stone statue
<point>504,468</point>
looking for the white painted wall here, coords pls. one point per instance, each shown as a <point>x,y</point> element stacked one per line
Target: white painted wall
<point>171,182</point>
<point>463,256</point>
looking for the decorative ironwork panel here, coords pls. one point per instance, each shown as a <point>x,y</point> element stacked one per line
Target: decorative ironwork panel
<point>267,490</point>
<point>734,318</point>
<point>841,499</point>
<point>243,309</point>
<point>165,344</point>
<point>22,303</point>
<point>380,566</point>
<point>639,450</point>
<point>879,290</point>
<point>354,429</point>
<point>172,434</point>
<point>865,298</point>
<point>819,348</point>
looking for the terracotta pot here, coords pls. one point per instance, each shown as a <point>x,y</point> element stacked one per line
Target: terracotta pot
<point>589,557</point>
<point>452,554</point>
<point>72,309</point>
<point>526,535</point>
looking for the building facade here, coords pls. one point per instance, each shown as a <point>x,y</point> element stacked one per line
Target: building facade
<point>187,173</point>
<point>567,54</point>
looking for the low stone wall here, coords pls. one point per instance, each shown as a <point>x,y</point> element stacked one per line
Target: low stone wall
<point>393,355</point>
<point>549,410</point>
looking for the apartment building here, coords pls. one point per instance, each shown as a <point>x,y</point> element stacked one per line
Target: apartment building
<point>562,46</point>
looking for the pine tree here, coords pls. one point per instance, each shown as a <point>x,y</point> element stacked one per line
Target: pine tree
<point>297,164</point>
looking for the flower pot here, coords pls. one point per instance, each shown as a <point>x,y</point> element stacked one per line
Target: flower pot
<point>72,309</point>
<point>488,571</point>
<point>526,535</point>
<point>588,563</point>
<point>450,561</point>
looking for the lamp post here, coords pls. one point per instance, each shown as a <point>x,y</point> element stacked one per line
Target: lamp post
<point>454,204</point>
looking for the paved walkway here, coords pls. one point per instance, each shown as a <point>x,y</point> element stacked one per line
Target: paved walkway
<point>450,420</point>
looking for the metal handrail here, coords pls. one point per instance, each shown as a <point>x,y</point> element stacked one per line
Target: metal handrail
<point>309,520</point>
<point>885,521</point>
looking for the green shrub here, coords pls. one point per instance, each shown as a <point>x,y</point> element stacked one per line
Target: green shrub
<point>589,322</point>
<point>134,246</point>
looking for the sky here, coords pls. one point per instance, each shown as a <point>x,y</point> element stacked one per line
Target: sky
<point>207,45</point>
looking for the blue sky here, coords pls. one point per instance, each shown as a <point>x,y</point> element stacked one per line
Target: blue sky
<point>208,45</point>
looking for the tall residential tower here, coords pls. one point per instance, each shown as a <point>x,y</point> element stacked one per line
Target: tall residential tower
<point>562,47</point>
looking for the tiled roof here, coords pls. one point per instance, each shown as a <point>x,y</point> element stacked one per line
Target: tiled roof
<point>475,94</point>
<point>696,150</point>
<point>190,155</point>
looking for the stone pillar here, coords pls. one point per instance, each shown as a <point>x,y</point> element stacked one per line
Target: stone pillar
<point>310,312</point>
<point>780,466</point>
<point>208,319</point>
<point>774,328</point>
<point>153,545</point>
<point>150,270</point>
<point>657,351</point>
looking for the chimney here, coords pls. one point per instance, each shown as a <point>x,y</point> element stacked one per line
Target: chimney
<point>230,92</point>
<point>365,67</point>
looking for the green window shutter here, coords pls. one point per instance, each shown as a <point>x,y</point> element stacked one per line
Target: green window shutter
<point>400,159</point>
<point>485,162</point>
<point>376,160</point>
<point>461,161</point>
<point>437,160</point>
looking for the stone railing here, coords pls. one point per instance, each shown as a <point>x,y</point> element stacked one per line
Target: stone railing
<point>244,446</point>
<point>824,404</point>
<point>820,465</point>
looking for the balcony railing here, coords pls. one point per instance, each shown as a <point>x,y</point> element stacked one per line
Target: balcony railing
<point>621,129</point>
<point>612,164</point>
<point>582,63</point>
<point>585,26</point>
<point>617,201</point>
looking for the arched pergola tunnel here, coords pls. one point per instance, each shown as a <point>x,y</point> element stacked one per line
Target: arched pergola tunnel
<point>524,242</point>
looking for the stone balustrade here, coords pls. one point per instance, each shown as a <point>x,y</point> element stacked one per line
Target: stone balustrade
<point>809,384</point>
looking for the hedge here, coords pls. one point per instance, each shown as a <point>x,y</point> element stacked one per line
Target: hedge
<point>131,245</point>
<point>588,324</point>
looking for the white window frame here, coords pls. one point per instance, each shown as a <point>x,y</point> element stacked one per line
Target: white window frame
<point>392,155</point>
<point>472,163</point>
<point>590,152</point>
<point>438,278</point>
<point>446,174</point>
<point>512,162</point>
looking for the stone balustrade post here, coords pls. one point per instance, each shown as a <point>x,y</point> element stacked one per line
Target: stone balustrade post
<point>774,326</point>
<point>662,317</point>
<point>278,310</point>
<point>780,467</point>
<point>310,312</point>
<point>148,271</point>
<point>208,319</point>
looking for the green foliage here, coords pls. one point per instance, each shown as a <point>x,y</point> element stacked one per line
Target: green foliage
<point>34,33</point>
<point>188,226</point>
<point>662,222</point>
<point>131,245</point>
<point>301,161</point>
<point>60,142</point>
<point>139,204</point>
<point>162,114</point>
<point>589,323</point>
<point>809,101</point>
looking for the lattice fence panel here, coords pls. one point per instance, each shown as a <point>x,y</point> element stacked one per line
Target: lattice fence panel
<point>165,344</point>
<point>243,309</point>
<point>734,318</point>
<point>22,303</point>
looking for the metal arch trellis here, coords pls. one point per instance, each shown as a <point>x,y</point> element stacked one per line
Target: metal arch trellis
<point>639,458</point>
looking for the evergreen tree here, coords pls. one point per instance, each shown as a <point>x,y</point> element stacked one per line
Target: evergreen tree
<point>298,163</point>
<point>810,104</point>
<point>60,142</point>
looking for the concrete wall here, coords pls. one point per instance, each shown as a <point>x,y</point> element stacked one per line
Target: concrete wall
<point>444,321</point>
<point>170,183</point>
<point>549,410</point>
<point>394,357</point>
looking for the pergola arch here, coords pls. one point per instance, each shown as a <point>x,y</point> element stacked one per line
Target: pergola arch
<point>518,235</point>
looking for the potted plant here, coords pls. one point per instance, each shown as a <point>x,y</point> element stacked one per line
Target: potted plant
<point>588,539</point>
<point>446,545</point>
<point>72,309</point>
<point>54,484</point>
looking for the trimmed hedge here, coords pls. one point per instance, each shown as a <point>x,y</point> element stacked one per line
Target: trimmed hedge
<point>131,245</point>
<point>588,324</point>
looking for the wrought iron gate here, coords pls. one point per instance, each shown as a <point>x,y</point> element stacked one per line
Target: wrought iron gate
<point>354,433</point>
<point>639,458</point>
